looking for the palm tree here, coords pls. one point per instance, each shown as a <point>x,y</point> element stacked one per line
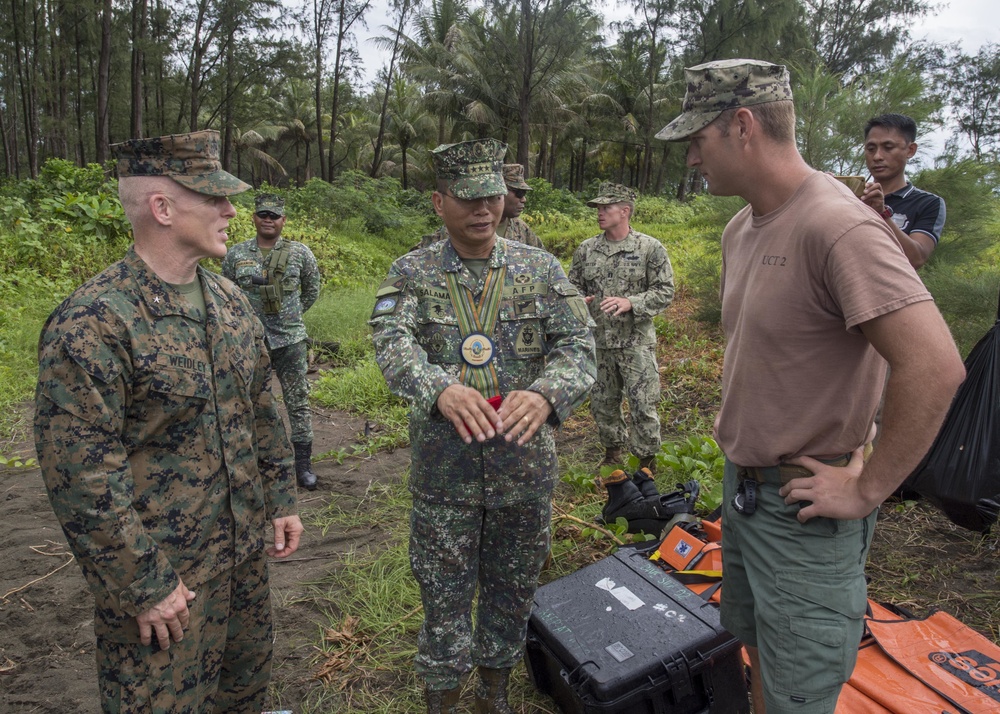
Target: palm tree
<point>408,121</point>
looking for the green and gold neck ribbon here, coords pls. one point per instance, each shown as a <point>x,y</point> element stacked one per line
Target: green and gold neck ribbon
<point>476,322</point>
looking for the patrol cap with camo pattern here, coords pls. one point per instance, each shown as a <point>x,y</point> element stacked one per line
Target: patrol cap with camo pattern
<point>610,193</point>
<point>473,169</point>
<point>714,87</point>
<point>192,160</point>
<point>269,202</point>
<point>513,176</point>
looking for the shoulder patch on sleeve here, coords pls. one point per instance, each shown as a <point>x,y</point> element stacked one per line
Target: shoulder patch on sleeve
<point>565,288</point>
<point>391,285</point>
<point>385,305</point>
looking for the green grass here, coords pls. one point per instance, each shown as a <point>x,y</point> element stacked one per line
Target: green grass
<point>362,389</point>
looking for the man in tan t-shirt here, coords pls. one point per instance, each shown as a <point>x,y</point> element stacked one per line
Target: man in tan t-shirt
<point>816,298</point>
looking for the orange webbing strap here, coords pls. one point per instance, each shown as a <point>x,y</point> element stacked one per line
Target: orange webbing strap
<point>955,661</point>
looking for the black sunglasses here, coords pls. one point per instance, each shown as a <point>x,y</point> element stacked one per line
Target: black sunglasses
<point>268,214</point>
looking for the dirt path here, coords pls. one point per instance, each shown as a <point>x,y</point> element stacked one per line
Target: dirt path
<point>46,626</point>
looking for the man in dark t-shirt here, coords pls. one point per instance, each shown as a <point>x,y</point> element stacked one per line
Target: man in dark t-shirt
<point>916,217</point>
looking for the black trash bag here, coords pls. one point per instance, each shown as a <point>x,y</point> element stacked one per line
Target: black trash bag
<point>961,472</point>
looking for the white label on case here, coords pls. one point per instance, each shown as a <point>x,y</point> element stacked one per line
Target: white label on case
<point>625,596</point>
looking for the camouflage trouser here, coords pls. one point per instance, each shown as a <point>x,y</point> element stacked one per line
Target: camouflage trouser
<point>222,666</point>
<point>290,364</point>
<point>627,372</point>
<point>452,548</point>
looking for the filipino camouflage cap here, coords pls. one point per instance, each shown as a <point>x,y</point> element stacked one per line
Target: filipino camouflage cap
<point>192,160</point>
<point>473,169</point>
<point>513,176</point>
<point>716,86</point>
<point>612,193</point>
<point>269,202</point>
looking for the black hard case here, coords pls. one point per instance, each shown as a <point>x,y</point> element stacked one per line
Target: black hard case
<point>667,655</point>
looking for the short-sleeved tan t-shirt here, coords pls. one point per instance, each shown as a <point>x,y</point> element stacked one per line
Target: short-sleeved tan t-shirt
<point>800,378</point>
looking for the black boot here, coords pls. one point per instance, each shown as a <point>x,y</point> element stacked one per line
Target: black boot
<point>303,466</point>
<point>491,691</point>
<point>648,463</point>
<point>643,479</point>
<point>442,701</point>
<point>621,493</point>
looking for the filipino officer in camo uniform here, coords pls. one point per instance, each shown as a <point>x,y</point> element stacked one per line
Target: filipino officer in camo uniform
<point>491,344</point>
<point>161,449</point>
<point>626,279</point>
<point>511,226</point>
<point>282,280</point>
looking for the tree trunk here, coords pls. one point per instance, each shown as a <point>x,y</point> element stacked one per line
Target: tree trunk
<point>102,134</point>
<point>526,40</point>
<point>139,8</point>
<point>318,38</point>
<point>24,86</point>
<point>377,154</point>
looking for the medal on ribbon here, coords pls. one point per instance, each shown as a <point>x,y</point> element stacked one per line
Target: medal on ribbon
<point>476,322</point>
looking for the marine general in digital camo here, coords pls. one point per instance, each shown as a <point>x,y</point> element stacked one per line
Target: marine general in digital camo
<point>626,279</point>
<point>491,345</point>
<point>161,449</point>
<point>282,281</point>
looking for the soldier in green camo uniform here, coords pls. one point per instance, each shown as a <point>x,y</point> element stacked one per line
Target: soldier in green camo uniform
<point>282,280</point>
<point>491,345</point>
<point>511,226</point>
<point>626,279</point>
<point>161,448</point>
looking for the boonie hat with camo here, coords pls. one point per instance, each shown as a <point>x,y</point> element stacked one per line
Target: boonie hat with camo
<point>192,160</point>
<point>473,169</point>
<point>716,86</point>
<point>612,193</point>
<point>513,176</point>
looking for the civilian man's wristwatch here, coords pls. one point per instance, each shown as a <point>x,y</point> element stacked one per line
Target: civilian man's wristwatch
<point>887,212</point>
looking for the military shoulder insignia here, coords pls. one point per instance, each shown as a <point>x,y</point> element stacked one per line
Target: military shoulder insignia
<point>391,285</point>
<point>522,279</point>
<point>579,308</point>
<point>385,305</point>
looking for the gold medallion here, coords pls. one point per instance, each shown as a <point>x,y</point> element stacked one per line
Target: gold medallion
<point>477,349</point>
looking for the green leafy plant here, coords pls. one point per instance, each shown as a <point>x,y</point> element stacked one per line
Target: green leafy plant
<point>698,458</point>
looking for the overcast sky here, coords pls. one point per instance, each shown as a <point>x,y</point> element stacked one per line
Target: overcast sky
<point>970,22</point>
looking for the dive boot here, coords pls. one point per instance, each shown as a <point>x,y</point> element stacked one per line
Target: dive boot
<point>622,494</point>
<point>303,466</point>
<point>643,479</point>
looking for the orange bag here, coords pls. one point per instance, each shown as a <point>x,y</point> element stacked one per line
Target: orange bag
<point>690,556</point>
<point>929,666</point>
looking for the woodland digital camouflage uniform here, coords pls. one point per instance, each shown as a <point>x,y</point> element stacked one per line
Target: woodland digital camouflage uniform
<point>164,458</point>
<point>192,160</point>
<point>543,343</point>
<point>639,269</point>
<point>285,331</point>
